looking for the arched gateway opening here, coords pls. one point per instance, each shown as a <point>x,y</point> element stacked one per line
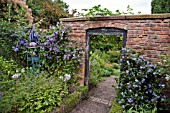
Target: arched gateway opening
<point>108,31</point>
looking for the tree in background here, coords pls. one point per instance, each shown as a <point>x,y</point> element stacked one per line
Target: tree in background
<point>14,10</point>
<point>48,11</point>
<point>160,6</point>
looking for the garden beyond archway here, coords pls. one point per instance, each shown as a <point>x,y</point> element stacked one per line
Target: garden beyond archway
<point>147,33</point>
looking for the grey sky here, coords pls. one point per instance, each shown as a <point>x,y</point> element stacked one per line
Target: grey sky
<point>138,5</point>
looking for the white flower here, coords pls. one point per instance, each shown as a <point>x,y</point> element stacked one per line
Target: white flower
<point>164,60</point>
<point>163,85</point>
<point>17,75</point>
<point>167,78</point>
<point>61,77</point>
<point>17,71</point>
<point>67,77</point>
<point>32,44</point>
<point>22,70</point>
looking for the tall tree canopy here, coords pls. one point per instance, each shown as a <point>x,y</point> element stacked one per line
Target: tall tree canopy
<point>160,6</point>
<point>48,11</point>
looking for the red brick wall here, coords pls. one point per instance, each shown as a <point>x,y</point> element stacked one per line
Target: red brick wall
<point>147,33</point>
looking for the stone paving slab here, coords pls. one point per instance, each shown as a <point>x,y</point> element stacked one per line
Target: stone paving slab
<point>100,98</point>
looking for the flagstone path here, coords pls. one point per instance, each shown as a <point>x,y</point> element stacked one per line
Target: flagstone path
<point>100,98</point>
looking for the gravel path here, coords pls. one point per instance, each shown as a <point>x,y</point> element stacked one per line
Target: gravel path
<point>100,98</point>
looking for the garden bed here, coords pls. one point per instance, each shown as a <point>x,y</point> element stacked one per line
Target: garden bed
<point>71,100</point>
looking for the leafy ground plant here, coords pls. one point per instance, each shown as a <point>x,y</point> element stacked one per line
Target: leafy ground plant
<point>140,84</point>
<point>32,94</point>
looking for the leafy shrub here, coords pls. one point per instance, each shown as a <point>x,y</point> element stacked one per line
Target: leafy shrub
<point>106,72</point>
<point>141,83</point>
<point>165,64</point>
<point>28,94</point>
<point>71,100</point>
<point>116,108</point>
<point>114,56</point>
<point>83,90</point>
<point>116,66</point>
<point>116,72</point>
<point>7,69</point>
<point>58,53</point>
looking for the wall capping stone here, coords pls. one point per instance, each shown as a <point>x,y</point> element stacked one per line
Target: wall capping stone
<point>123,17</point>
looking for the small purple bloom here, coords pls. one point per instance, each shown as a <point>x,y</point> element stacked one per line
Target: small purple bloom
<point>150,70</point>
<point>45,54</point>
<point>150,91</point>
<point>49,57</point>
<point>143,80</point>
<point>153,99</point>
<point>142,68</point>
<point>123,106</point>
<point>16,49</point>
<point>0,94</point>
<point>130,100</point>
<point>149,85</point>
<point>128,85</point>
<point>0,87</point>
<point>127,71</point>
<point>121,60</point>
<point>135,86</point>
<point>136,80</point>
<point>130,91</point>
<point>51,39</point>
<point>21,42</point>
<point>55,32</point>
<point>136,95</point>
<point>65,56</point>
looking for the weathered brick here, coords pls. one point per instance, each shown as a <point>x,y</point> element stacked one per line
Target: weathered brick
<point>134,21</point>
<point>163,25</point>
<point>164,36</point>
<point>165,28</point>
<point>143,28</point>
<point>157,21</point>
<point>155,28</point>
<point>162,32</point>
<point>149,32</point>
<point>150,25</point>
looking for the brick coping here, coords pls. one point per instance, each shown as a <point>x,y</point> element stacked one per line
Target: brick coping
<point>123,17</point>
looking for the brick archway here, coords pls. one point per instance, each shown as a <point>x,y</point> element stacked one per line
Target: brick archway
<point>147,33</point>
<point>100,31</point>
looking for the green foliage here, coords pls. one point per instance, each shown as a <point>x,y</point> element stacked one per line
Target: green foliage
<point>99,11</point>
<point>105,43</point>
<point>95,70</point>
<point>140,84</point>
<point>165,64</point>
<point>47,11</point>
<point>160,6</point>
<point>83,90</point>
<point>14,10</point>
<point>116,108</point>
<point>96,11</point>
<point>71,100</point>
<point>28,94</point>
<point>142,111</point>
<point>10,30</point>
<point>7,68</point>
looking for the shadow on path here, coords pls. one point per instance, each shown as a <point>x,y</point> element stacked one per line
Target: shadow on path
<point>100,98</point>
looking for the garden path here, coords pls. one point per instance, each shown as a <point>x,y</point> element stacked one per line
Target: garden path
<point>100,98</point>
